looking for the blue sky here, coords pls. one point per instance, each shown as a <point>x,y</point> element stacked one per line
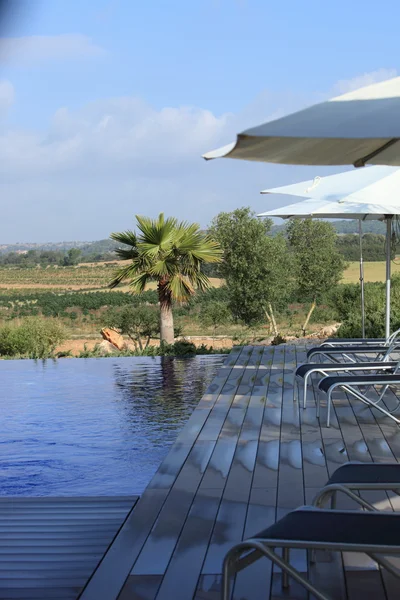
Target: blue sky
<point>107,105</point>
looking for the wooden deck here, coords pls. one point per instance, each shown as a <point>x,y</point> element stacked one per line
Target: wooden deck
<point>49,547</point>
<point>248,454</point>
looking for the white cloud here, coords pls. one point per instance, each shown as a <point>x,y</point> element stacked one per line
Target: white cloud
<point>348,85</point>
<point>40,48</point>
<point>91,170</point>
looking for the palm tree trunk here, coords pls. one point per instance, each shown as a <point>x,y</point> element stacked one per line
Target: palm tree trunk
<point>166,316</point>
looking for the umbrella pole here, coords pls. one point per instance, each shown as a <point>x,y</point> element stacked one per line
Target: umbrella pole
<point>388,265</point>
<point>362,280</point>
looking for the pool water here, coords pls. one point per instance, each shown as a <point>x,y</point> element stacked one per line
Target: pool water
<point>92,427</point>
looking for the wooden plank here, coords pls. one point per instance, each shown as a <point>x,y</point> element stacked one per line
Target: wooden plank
<point>230,521</point>
<point>255,582</point>
<point>140,587</point>
<point>160,544</point>
<point>186,563</point>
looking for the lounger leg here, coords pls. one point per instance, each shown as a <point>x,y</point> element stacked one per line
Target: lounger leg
<point>226,583</point>
<point>280,562</point>
<point>328,419</point>
<point>318,404</point>
<point>305,392</point>
<point>285,575</point>
<point>232,564</point>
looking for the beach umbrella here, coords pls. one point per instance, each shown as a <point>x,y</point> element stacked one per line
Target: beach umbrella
<point>356,128</point>
<point>364,194</point>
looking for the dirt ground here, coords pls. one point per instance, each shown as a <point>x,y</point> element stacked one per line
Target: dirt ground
<point>77,346</point>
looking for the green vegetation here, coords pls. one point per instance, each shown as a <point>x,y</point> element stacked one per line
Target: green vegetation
<point>344,226</point>
<point>169,253</point>
<point>215,314</point>
<point>180,348</point>
<point>318,266</point>
<point>33,338</point>
<point>272,286</point>
<point>137,322</point>
<point>373,247</point>
<point>345,301</point>
<point>252,265</point>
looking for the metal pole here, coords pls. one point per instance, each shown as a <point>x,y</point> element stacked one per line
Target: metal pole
<point>388,265</point>
<point>362,280</point>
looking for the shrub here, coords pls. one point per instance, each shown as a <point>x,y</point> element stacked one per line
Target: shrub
<point>215,313</point>
<point>135,322</point>
<point>33,338</point>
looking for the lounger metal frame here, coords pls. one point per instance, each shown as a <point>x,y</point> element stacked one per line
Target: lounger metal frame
<point>360,341</point>
<point>338,367</point>
<point>348,387</point>
<point>348,354</point>
<point>249,551</point>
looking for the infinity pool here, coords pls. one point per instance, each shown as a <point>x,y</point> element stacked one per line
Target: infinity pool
<point>93,426</point>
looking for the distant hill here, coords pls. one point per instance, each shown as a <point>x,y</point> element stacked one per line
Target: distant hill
<point>108,246</point>
<point>86,248</point>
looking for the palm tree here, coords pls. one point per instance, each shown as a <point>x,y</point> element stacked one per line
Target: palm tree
<point>171,254</point>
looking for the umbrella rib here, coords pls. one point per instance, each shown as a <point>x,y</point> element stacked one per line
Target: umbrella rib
<point>361,162</point>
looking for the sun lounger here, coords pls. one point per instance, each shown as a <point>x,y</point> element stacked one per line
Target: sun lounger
<point>361,341</point>
<point>353,476</point>
<point>312,528</point>
<point>305,371</point>
<point>374,533</point>
<point>332,349</point>
<point>351,383</point>
<point>334,353</point>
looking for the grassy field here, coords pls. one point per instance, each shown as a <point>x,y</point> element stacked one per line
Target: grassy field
<point>64,278</point>
<point>373,271</point>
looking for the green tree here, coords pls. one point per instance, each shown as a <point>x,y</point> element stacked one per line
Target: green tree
<point>256,266</point>
<point>72,257</point>
<point>318,264</point>
<point>170,253</point>
<point>214,314</point>
<point>137,322</point>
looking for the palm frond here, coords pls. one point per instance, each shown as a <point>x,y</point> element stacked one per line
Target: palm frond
<point>124,237</point>
<point>181,289</point>
<point>120,275</point>
<point>139,282</point>
<point>156,232</point>
<point>129,240</point>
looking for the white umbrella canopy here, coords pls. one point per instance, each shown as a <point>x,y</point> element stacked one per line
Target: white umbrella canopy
<point>367,194</point>
<point>356,128</point>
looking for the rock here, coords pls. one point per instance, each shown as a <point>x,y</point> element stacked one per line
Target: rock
<point>106,348</point>
<point>113,337</point>
<point>329,330</point>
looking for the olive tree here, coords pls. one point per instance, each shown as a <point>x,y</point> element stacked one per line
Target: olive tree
<point>255,265</point>
<point>214,314</point>
<point>318,264</point>
<point>137,322</point>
